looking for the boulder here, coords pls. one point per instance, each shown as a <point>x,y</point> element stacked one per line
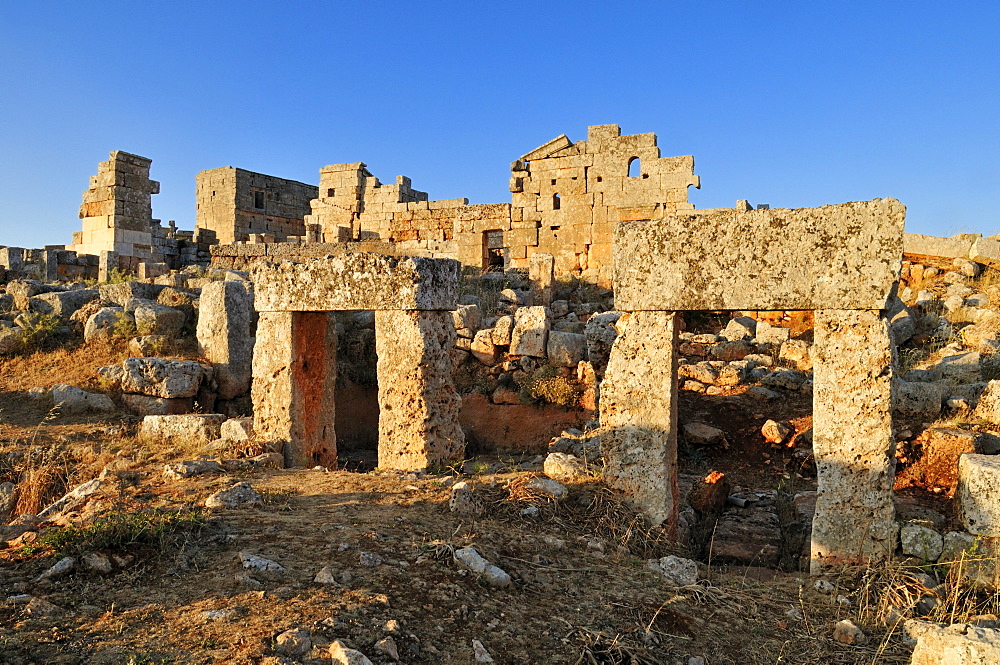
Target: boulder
<point>102,323</point>
<point>342,655</point>
<point>11,341</point>
<point>566,349</point>
<point>159,377</point>
<point>467,319</point>
<point>62,303</point>
<point>237,429</point>
<point>563,466</point>
<point>72,400</point>
<point>483,349</point>
<point>156,319</point>
<point>777,432</point>
<point>197,428</point>
<point>145,405</point>
<point>530,334</point>
<point>957,644</point>
<point>676,570</point>
<point>502,330</point>
<point>122,292</point>
<point>239,495</point>
<point>918,398</point>
<point>703,434</point>
<point>921,542</point>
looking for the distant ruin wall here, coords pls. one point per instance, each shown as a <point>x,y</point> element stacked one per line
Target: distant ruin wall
<point>234,203</point>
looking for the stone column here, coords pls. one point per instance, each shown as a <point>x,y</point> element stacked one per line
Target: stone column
<point>638,406</point>
<point>418,404</point>
<point>541,272</point>
<point>226,330</point>
<point>107,262</point>
<point>852,439</point>
<point>294,376</point>
<point>49,266</point>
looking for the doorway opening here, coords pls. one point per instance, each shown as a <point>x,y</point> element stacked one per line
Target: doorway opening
<point>356,399</point>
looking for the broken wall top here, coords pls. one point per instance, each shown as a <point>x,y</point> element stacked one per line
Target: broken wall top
<point>844,256</point>
<point>361,281</point>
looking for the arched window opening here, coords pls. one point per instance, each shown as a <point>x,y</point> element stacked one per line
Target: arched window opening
<point>634,167</point>
<point>555,201</point>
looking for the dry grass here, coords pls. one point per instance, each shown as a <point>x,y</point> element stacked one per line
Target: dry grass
<point>76,365</point>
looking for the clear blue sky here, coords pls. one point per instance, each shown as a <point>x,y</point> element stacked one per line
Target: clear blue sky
<point>788,103</point>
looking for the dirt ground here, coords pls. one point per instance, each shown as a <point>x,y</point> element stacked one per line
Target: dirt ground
<point>581,592</point>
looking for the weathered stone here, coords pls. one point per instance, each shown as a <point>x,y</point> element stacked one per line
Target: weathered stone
<point>156,319</point>
<point>8,499</point>
<point>777,431</point>
<point>702,372</point>
<point>563,466</point>
<point>988,407</point>
<point>240,494</point>
<point>197,428</point>
<point>356,281</point>
<point>739,328</point>
<point>462,500</point>
<point>601,333</point>
<point>502,330</point>
<point>978,494</point>
<point>729,351</point>
<point>837,257</point>
<point>295,642</point>
<point>62,303</point>
<point>675,570</point>
<point>148,345</point>
<point>483,349</point>
<point>797,353</point>
<point>920,541</point>
<point>190,468</point>
<point>237,429</point>
<point>226,329</point>
<point>146,405</point>
<point>845,631</point>
<point>918,398</point>
<point>768,334</point>
<point>71,400</point>
<point>530,334</point>
<point>955,545</point>
<point>471,559</point>
<point>467,319</point>
<point>122,292</point>
<point>703,434</point>
<point>159,377</point>
<point>566,349</point>
<point>958,644</point>
<point>639,412</point>
<point>749,537</point>
<point>11,341</point>
<point>548,487</point>
<point>540,272</point>
<point>294,378</point>
<point>852,441</point>
<point>787,379</point>
<point>961,367</point>
<point>418,403</point>
<point>709,494</point>
<point>342,655</point>
<point>101,324</point>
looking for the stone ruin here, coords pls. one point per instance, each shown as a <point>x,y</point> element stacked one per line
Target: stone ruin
<point>295,367</point>
<point>843,262</point>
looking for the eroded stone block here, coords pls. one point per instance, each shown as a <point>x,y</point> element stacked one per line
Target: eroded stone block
<point>226,328</point>
<point>356,281</point>
<point>979,494</point>
<point>294,377</point>
<point>839,256</point>
<point>639,414</point>
<point>418,404</point>
<point>852,439</point>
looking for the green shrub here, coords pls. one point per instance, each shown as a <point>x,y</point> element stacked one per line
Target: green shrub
<point>123,326</point>
<point>38,330</point>
<point>118,530</point>
<point>118,276</point>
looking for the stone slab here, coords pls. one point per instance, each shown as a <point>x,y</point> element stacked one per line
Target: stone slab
<point>978,494</point>
<point>844,256</point>
<point>852,440</point>
<point>638,409</point>
<point>356,282</point>
<point>418,405</point>
<point>917,244</point>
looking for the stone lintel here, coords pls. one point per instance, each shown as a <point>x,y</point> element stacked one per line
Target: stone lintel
<point>361,281</point>
<point>418,405</point>
<point>845,256</point>
<point>852,439</point>
<point>638,409</point>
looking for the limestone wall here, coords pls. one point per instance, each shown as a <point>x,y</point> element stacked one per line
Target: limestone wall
<point>234,203</point>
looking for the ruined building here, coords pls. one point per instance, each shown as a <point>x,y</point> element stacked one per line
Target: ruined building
<point>233,204</point>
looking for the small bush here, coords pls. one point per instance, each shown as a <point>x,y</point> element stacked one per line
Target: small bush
<point>39,330</point>
<point>555,390</point>
<point>119,530</point>
<point>123,326</point>
<point>118,276</point>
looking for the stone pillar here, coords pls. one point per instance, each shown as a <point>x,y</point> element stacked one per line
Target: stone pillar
<point>48,266</point>
<point>294,376</point>
<point>541,272</point>
<point>107,262</point>
<point>10,258</point>
<point>638,407</point>
<point>226,329</point>
<point>418,404</point>
<point>852,439</point>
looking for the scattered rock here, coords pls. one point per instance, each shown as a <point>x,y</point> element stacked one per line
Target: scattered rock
<point>259,563</point>
<point>239,495</point>
<point>61,568</point>
<point>563,466</point>
<point>845,631</point>
<point>370,559</point>
<point>462,500</point>
<point>703,434</point>
<point>342,655</point>
<point>326,576</point>
<point>191,468</point>
<point>472,560</point>
<point>548,487</point>
<point>387,646</point>
<point>482,655</point>
<point>919,541</point>
<point>72,400</point>
<point>777,432</point>
<point>676,570</point>
<point>294,643</point>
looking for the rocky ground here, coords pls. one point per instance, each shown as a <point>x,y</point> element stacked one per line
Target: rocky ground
<point>145,561</point>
